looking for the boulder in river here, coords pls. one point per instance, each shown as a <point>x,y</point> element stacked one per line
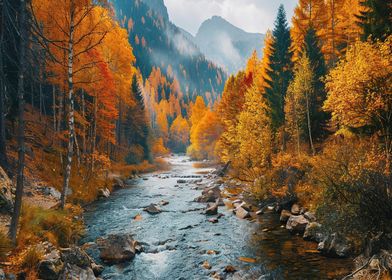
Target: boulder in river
<point>117,248</point>
<point>335,245</point>
<point>103,193</point>
<point>163,202</point>
<point>284,216</point>
<point>153,209</point>
<point>314,232</point>
<point>212,209</point>
<point>209,195</point>
<point>229,269</point>
<point>297,224</point>
<point>6,198</point>
<point>241,213</point>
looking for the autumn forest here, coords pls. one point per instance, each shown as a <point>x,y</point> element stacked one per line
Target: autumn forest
<point>109,105</point>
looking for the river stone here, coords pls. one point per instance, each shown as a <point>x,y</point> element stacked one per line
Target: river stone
<point>212,209</point>
<point>103,193</point>
<point>335,245</point>
<point>314,232</point>
<point>97,268</point>
<point>295,209</point>
<point>118,183</point>
<point>242,213</point>
<point>6,197</point>
<point>153,209</point>
<point>73,272</point>
<point>209,195</point>
<point>229,269</point>
<point>284,216</point>
<point>50,269</point>
<point>310,216</point>
<point>75,256</point>
<point>297,224</point>
<point>117,248</point>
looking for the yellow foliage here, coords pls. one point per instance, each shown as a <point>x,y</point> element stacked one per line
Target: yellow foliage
<point>253,134</point>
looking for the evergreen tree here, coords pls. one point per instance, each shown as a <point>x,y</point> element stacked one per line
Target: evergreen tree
<point>312,49</point>
<point>137,130</point>
<point>280,72</point>
<point>375,19</point>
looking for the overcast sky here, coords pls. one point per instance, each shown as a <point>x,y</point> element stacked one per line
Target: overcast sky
<point>250,15</point>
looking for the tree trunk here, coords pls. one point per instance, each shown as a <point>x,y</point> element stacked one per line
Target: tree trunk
<point>94,133</point>
<point>84,125</point>
<point>54,107</point>
<point>71,117</point>
<point>309,124</point>
<point>3,152</point>
<point>21,141</point>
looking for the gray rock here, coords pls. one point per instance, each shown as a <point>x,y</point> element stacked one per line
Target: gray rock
<point>118,183</point>
<point>242,213</point>
<point>153,209</point>
<point>284,216</point>
<point>164,202</point>
<point>310,216</point>
<point>75,256</point>
<point>335,245</point>
<point>103,193</point>
<point>97,268</point>
<point>295,209</point>
<point>209,195</point>
<point>117,248</point>
<point>73,272</point>
<point>50,267</point>
<point>2,274</point>
<point>314,232</point>
<point>297,224</point>
<point>50,191</point>
<point>212,209</point>
<point>6,197</point>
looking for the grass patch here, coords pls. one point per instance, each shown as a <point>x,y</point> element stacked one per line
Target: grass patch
<point>56,226</point>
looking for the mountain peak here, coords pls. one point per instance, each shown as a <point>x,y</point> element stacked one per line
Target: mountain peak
<point>226,44</point>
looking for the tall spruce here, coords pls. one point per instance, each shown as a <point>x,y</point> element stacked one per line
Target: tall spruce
<point>136,128</point>
<point>312,49</point>
<point>375,19</point>
<point>280,72</point>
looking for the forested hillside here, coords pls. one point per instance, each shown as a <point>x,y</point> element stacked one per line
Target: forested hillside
<point>159,43</point>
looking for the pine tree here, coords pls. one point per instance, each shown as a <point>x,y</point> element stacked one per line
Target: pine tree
<point>280,71</point>
<point>312,49</point>
<point>375,20</point>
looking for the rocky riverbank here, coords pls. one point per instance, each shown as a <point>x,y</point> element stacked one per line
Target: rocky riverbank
<point>192,221</point>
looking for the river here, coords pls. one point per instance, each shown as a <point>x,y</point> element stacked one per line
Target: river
<point>181,238</point>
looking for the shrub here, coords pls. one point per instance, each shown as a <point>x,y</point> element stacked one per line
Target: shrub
<point>356,195</point>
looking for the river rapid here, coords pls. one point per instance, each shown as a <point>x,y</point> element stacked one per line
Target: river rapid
<point>181,238</point>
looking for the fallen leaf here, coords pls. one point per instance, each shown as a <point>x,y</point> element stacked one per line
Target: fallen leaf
<point>138,217</point>
<point>248,260</point>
